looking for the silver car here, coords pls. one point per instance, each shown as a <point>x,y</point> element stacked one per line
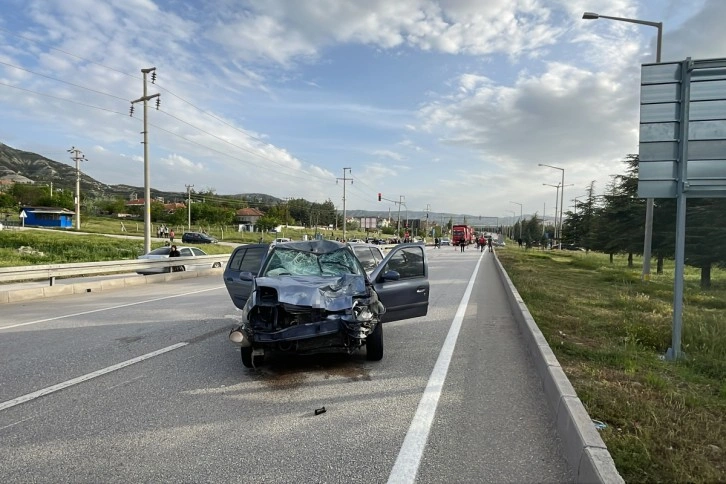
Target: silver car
<point>315,296</point>
<point>163,253</point>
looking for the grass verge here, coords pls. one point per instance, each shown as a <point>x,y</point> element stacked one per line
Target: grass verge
<point>666,420</point>
<point>30,247</point>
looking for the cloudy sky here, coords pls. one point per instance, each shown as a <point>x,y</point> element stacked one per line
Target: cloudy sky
<point>446,104</point>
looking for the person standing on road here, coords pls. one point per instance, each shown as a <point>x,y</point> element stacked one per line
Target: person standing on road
<point>174,252</point>
<point>171,236</point>
<point>489,244</point>
<point>462,243</point>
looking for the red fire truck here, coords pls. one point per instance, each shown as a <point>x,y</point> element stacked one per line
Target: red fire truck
<point>459,232</point>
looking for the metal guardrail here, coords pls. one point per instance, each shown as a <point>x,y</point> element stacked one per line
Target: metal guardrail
<point>51,271</point>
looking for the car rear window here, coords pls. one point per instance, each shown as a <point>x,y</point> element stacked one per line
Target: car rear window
<point>248,260</point>
<point>161,251</point>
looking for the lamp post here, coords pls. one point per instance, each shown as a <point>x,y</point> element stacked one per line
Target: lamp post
<point>562,192</point>
<point>647,243</point>
<point>520,218</point>
<point>511,225</point>
<point>557,198</point>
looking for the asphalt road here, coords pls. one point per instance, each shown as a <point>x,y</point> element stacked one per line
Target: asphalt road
<point>141,385</point>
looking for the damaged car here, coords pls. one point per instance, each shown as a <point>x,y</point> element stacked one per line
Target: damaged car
<point>315,296</point>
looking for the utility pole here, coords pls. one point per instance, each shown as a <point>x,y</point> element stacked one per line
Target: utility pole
<point>189,207</point>
<point>147,187</point>
<point>428,209</point>
<point>77,157</point>
<point>398,226</point>
<point>345,215</point>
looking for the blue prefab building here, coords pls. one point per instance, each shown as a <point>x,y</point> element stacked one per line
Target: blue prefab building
<point>48,217</point>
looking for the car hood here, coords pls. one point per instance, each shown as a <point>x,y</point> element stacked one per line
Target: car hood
<point>329,293</point>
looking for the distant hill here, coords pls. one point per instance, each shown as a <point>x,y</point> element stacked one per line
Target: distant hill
<point>16,163</point>
<point>21,166</point>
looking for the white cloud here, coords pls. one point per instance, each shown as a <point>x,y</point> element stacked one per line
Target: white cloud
<point>185,165</point>
<point>388,154</point>
<point>281,31</point>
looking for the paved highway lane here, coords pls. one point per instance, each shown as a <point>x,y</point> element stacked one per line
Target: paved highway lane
<point>193,413</point>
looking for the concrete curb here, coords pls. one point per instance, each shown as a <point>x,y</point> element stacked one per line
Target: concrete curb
<point>583,447</point>
<point>29,294</point>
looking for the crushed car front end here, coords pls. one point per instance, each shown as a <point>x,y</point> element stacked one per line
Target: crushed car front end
<point>309,314</point>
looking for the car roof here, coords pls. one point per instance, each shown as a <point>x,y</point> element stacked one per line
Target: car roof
<point>167,249</point>
<point>356,245</point>
<point>314,246</point>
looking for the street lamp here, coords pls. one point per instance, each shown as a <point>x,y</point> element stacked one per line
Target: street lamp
<point>557,198</point>
<point>562,192</point>
<point>520,218</point>
<point>511,226</point>
<point>647,243</point>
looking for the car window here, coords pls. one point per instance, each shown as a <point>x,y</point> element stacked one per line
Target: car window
<point>408,262</point>
<point>366,257</point>
<point>161,251</point>
<point>198,251</point>
<point>299,263</point>
<point>247,260</point>
<point>236,260</point>
<point>186,252</point>
<point>252,259</point>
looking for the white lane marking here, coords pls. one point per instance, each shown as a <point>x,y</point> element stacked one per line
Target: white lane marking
<point>108,308</point>
<point>409,457</point>
<point>60,386</point>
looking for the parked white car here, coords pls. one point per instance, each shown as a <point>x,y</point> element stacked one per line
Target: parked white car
<point>163,253</point>
<point>281,240</point>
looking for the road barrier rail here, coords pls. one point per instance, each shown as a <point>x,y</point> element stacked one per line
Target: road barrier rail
<point>80,269</point>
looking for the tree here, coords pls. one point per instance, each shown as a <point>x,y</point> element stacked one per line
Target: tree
<point>267,222</point>
<point>705,235</point>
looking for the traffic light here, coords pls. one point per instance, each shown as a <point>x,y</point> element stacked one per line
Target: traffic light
<point>379,197</point>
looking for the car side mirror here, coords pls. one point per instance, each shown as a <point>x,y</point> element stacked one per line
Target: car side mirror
<point>391,276</point>
<point>246,276</point>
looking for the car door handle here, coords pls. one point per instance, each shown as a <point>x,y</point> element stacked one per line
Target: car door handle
<point>421,289</point>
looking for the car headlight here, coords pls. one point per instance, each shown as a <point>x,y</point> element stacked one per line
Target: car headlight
<point>361,312</point>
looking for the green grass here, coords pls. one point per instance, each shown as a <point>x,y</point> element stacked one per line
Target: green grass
<point>666,420</point>
<point>226,233</point>
<point>58,247</point>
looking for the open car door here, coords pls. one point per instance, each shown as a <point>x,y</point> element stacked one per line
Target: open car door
<point>402,282</point>
<point>242,267</point>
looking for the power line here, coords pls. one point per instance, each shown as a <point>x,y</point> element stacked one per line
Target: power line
<point>125,115</point>
<point>62,81</point>
<point>64,99</point>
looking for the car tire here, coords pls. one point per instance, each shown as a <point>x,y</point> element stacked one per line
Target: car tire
<point>374,344</point>
<point>216,265</point>
<point>247,359</point>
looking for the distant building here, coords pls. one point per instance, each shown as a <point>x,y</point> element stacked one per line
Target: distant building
<point>48,217</point>
<point>248,217</point>
<point>174,206</point>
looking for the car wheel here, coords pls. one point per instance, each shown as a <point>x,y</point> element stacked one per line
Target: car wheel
<point>374,344</point>
<point>247,359</point>
<point>216,265</point>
